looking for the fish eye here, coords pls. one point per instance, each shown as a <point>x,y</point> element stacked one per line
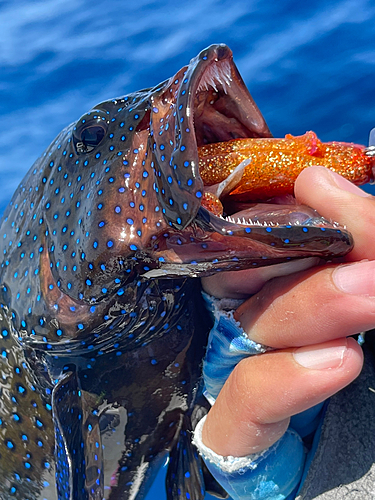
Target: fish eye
<point>89,131</point>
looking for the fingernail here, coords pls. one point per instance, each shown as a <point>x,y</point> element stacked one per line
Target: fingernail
<point>319,358</point>
<point>344,184</point>
<point>356,279</point>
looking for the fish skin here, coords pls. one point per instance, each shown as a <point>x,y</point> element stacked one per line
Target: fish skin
<point>102,326</point>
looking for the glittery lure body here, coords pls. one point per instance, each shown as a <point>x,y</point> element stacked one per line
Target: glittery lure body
<point>102,326</point>
<point>270,166</point>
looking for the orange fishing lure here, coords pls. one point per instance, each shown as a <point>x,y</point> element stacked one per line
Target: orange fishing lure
<point>271,166</point>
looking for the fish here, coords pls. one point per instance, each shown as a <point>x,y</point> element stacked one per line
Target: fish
<point>102,325</point>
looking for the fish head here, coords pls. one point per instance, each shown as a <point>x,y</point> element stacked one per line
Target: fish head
<point>125,176</point>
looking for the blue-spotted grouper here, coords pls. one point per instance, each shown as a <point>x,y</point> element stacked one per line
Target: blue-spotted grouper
<point>102,325</point>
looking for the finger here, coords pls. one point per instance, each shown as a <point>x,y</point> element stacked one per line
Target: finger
<point>253,409</point>
<point>312,307</point>
<point>242,284</point>
<point>338,199</point>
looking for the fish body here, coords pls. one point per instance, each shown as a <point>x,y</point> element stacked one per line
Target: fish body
<point>102,326</point>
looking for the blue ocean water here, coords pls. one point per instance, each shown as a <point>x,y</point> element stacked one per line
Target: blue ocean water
<point>309,65</point>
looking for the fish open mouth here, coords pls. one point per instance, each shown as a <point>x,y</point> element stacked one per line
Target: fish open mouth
<point>222,110</point>
<point>211,231</point>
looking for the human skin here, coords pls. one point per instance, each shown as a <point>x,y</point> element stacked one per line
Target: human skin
<point>306,317</point>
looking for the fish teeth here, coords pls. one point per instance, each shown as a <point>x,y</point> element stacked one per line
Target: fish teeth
<point>225,78</point>
<point>213,85</point>
<point>248,222</point>
<point>217,73</point>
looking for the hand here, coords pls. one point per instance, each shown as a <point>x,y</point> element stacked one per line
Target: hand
<point>306,317</point>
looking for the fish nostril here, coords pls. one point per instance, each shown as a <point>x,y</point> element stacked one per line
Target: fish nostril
<point>222,51</point>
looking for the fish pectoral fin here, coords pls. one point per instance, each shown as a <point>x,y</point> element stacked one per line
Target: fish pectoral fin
<point>184,476</point>
<point>78,450</point>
